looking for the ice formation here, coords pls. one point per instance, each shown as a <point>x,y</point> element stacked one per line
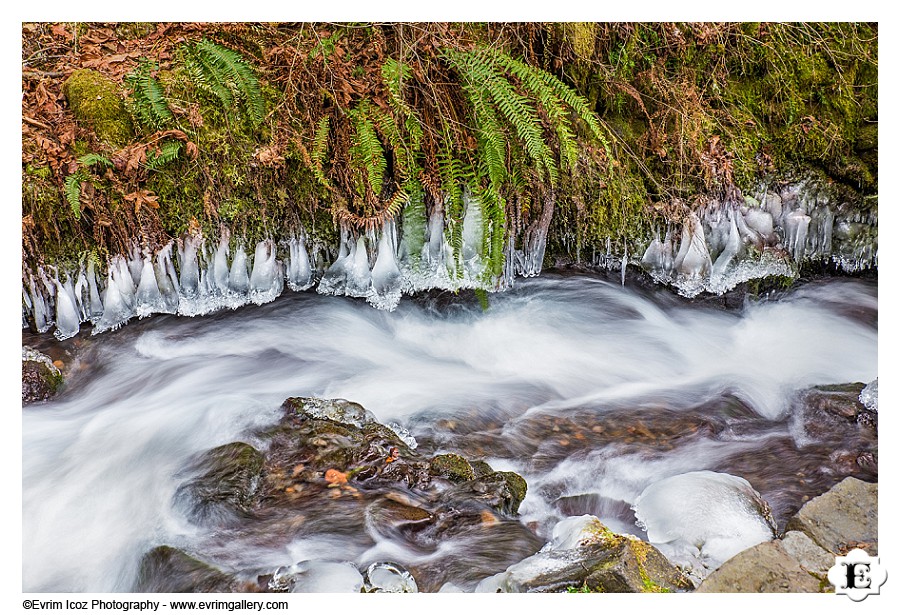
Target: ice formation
<point>712,250</point>
<point>766,235</point>
<point>317,576</point>
<point>701,519</point>
<point>868,397</point>
<point>388,577</point>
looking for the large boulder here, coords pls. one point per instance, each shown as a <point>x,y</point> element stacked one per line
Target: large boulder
<point>764,568</point>
<point>843,518</point>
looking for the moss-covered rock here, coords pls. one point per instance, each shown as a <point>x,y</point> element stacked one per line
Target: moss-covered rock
<point>96,102</point>
<point>584,555</point>
<point>454,468</point>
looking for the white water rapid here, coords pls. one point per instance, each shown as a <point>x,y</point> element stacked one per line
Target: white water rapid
<point>557,380</point>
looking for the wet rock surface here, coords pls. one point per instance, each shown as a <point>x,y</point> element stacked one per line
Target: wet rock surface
<point>591,558</point>
<point>844,518</point>
<point>328,467</point>
<point>165,569</point>
<point>41,380</point>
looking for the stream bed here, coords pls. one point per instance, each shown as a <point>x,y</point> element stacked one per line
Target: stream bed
<point>589,390</point>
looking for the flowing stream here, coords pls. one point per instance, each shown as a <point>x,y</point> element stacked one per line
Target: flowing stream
<point>590,390</point>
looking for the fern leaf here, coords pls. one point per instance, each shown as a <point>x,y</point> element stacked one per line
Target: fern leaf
<point>366,152</point>
<point>225,74</point>
<point>73,191</point>
<point>319,150</point>
<point>148,98</point>
<point>168,152</point>
<point>92,159</point>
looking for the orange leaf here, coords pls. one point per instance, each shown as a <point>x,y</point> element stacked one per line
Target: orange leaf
<point>335,477</point>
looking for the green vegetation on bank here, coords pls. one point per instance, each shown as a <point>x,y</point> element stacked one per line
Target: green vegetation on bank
<point>146,132</point>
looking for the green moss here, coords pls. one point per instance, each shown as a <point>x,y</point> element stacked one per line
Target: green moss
<point>96,102</point>
<point>454,468</point>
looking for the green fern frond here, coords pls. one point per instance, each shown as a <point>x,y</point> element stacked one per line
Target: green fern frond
<point>225,74</point>
<point>366,153</point>
<point>73,191</point>
<point>92,159</point>
<point>485,77</point>
<point>544,85</point>
<point>168,152</point>
<point>319,151</point>
<point>148,99</point>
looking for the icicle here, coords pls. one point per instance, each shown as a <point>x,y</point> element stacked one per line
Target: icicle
<point>359,277</point>
<point>267,279</point>
<point>189,282</point>
<point>41,309</point>
<point>96,308</point>
<point>123,280</point>
<point>80,295</point>
<point>166,280</point>
<point>693,259</point>
<point>473,239</point>
<point>135,265</point>
<point>299,275</point>
<point>796,227</point>
<point>67,319</point>
<point>117,305</point>
<point>652,259</point>
<point>149,299</point>
<point>432,251</point>
<point>335,277</point>
<point>762,223</point>
<point>386,274</point>
<point>219,271</point>
<point>731,249</point>
<point>624,263</point>
<point>238,280</point>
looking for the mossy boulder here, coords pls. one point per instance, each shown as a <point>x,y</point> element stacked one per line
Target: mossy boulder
<point>41,380</point>
<point>584,555</point>
<point>96,102</point>
<point>454,468</point>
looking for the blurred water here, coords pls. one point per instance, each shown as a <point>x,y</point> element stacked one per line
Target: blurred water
<point>590,390</point>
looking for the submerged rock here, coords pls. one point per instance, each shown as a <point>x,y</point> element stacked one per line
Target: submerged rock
<point>454,468</point>
<point>328,467</point>
<point>168,570</point>
<point>41,380</point>
<point>228,485</point>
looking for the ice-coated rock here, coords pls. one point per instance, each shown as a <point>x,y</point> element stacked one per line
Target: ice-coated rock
<point>317,576</point>
<point>869,396</point>
<point>701,519</point>
<point>388,577</point>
